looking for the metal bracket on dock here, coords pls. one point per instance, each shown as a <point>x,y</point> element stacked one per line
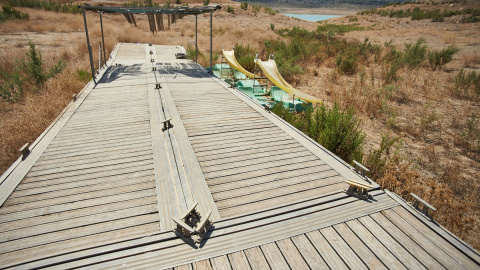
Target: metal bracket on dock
<point>152,60</point>
<point>25,151</point>
<point>359,190</point>
<point>426,205</point>
<point>167,124</point>
<point>154,68</point>
<point>360,169</point>
<point>151,52</point>
<point>191,227</point>
<point>158,86</point>
<point>74,97</point>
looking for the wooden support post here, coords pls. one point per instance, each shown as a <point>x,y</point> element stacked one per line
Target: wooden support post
<point>103,40</point>
<point>196,37</point>
<point>211,42</point>
<point>25,151</point>
<point>89,47</point>
<point>426,206</point>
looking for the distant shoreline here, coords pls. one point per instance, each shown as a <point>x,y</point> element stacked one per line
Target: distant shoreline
<point>343,10</point>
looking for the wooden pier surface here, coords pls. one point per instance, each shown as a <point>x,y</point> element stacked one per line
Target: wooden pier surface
<point>102,183</point>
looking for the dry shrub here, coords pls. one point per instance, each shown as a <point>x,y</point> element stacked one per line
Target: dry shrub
<point>455,214</point>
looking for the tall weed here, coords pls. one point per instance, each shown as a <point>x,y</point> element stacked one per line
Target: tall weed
<point>30,73</point>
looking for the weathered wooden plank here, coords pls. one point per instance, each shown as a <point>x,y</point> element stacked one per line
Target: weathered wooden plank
<point>291,254</point>
<point>282,190</point>
<point>112,157</point>
<point>103,146</point>
<point>73,233</point>
<point>286,172</point>
<point>54,193</point>
<point>42,255</point>
<point>375,246</point>
<point>193,178</point>
<point>342,249</point>
<point>320,178</point>
<point>365,254</point>
<point>239,145</point>
<point>326,251</point>
<point>238,261</point>
<point>52,228</point>
<point>76,198</point>
<point>277,201</point>
<point>69,157</point>
<point>267,233</point>
<point>99,171</point>
<point>220,263</point>
<point>129,171</point>
<point>256,259</point>
<point>202,265</point>
<point>425,242</point>
<point>255,161</point>
<point>83,212</point>
<point>84,204</point>
<point>249,171</point>
<point>309,253</point>
<point>395,248</point>
<point>436,239</point>
<point>418,252</point>
<point>244,153</point>
<point>274,257</point>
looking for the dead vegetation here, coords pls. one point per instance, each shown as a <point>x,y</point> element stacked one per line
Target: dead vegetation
<point>436,156</point>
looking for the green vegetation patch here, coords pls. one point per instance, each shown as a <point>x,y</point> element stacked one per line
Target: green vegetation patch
<point>336,129</point>
<point>29,74</point>
<point>9,13</point>
<point>339,28</point>
<point>47,6</point>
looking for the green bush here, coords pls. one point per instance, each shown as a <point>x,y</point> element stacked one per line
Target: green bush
<point>347,64</point>
<point>206,2</point>
<point>30,73</point>
<point>438,59</point>
<point>376,160</point>
<point>414,54</point>
<point>9,13</point>
<point>272,26</point>
<point>339,28</point>
<point>467,85</point>
<point>245,56</point>
<point>244,5</point>
<point>230,9</point>
<point>337,130</point>
<point>83,75</point>
<point>47,6</point>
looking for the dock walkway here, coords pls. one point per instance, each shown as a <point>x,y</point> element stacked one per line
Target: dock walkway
<point>101,184</point>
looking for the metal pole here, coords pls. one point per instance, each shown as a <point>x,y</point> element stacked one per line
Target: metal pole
<point>99,54</point>
<point>211,41</point>
<point>103,41</point>
<point>196,39</point>
<point>89,47</point>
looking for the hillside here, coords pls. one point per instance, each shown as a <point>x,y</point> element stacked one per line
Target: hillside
<point>432,114</point>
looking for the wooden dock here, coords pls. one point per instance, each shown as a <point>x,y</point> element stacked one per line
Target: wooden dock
<point>102,183</point>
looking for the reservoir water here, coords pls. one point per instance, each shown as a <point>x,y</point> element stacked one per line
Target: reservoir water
<point>312,17</point>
